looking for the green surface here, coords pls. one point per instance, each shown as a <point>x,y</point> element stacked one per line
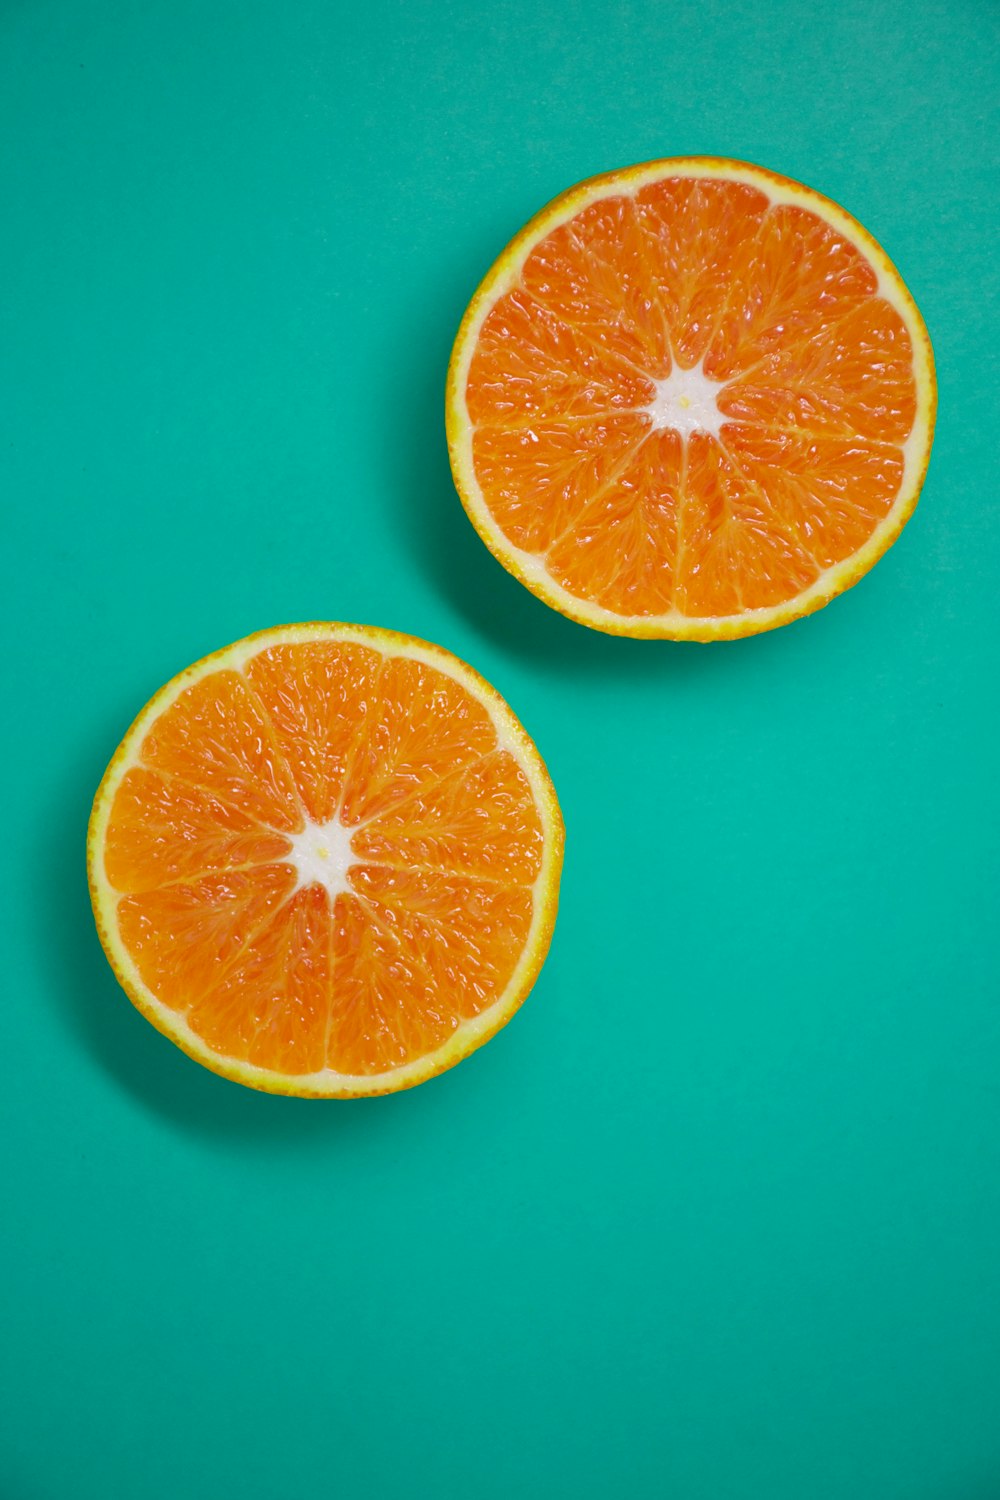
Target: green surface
<point>718,1215</point>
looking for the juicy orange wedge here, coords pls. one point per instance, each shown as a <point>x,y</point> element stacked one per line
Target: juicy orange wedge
<point>692,399</point>
<point>325,861</point>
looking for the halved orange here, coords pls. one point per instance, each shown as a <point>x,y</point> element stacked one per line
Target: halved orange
<point>325,861</point>
<point>692,399</point>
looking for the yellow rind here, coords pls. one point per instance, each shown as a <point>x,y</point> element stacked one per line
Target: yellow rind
<point>503,276</point>
<point>328,1084</point>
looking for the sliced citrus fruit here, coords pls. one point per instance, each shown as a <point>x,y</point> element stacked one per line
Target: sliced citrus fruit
<point>692,399</point>
<point>325,861</point>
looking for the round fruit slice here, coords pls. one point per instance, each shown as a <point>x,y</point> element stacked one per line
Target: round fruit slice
<point>692,399</point>
<point>325,861</point>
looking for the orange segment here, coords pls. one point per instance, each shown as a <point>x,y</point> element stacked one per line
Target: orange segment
<point>528,365</point>
<point>796,276</point>
<point>697,231</point>
<point>316,695</point>
<point>480,821</point>
<point>215,735</point>
<point>544,476</point>
<point>853,379</point>
<point>419,954</point>
<point>375,1029</point>
<point>325,861</point>
<point>270,1007</point>
<point>740,554</point>
<point>164,829</point>
<point>627,372</point>
<point>593,273</point>
<point>623,547</point>
<point>181,937</point>
<point>829,491</point>
<point>421,725</point>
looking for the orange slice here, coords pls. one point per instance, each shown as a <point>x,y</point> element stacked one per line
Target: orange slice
<point>325,861</point>
<point>692,399</point>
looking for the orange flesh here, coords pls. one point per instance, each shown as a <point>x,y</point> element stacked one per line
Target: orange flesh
<point>819,397</point>
<point>447,837</point>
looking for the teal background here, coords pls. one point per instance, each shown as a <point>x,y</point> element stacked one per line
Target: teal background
<point>718,1215</point>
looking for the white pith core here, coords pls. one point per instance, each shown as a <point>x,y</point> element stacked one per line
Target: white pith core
<point>686,401</point>
<point>322,855</point>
